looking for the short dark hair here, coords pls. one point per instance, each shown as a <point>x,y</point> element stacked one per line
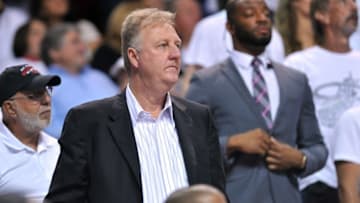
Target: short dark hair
<point>231,10</point>
<point>20,44</point>
<point>318,6</point>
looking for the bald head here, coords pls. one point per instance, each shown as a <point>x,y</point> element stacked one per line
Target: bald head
<point>197,194</point>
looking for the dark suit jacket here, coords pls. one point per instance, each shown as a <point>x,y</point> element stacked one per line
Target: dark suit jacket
<point>235,111</point>
<point>99,160</point>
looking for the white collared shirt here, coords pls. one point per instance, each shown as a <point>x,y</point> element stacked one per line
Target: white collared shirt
<point>243,61</point>
<point>24,170</point>
<point>162,166</point>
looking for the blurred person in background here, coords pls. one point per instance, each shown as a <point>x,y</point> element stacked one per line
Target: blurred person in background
<point>53,12</point>
<point>347,155</point>
<point>64,52</point>
<point>294,24</point>
<point>188,14</point>
<point>355,38</point>
<point>110,50</point>
<point>27,45</point>
<point>333,71</point>
<point>10,20</point>
<point>28,155</point>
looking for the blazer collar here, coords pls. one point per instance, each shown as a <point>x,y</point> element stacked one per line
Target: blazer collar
<point>123,135</point>
<point>282,81</point>
<point>230,71</point>
<point>185,130</point>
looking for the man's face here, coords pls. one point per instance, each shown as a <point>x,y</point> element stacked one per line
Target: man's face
<point>33,109</point>
<point>188,13</point>
<point>55,8</point>
<point>342,15</point>
<point>72,52</point>
<point>159,56</point>
<point>252,23</point>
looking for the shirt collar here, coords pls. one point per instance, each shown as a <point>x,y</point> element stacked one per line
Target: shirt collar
<point>57,69</point>
<point>135,108</point>
<point>243,60</point>
<point>9,139</point>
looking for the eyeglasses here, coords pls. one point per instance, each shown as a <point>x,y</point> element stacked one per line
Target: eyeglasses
<point>36,96</point>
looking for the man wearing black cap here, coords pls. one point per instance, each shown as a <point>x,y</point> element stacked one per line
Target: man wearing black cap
<point>28,155</point>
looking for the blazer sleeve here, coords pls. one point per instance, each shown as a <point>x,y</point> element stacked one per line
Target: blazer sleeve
<point>310,140</point>
<point>70,179</point>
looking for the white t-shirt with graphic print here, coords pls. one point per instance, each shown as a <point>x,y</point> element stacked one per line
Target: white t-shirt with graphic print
<point>335,82</point>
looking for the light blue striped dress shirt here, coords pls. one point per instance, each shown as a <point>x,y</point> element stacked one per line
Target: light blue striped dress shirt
<point>162,165</point>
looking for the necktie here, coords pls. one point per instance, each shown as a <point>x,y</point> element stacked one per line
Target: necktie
<point>261,93</point>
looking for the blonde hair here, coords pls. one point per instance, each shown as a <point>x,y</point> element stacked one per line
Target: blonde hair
<point>137,21</point>
<point>116,19</point>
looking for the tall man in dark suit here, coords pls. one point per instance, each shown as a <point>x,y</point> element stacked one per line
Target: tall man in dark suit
<point>143,144</point>
<point>264,113</point>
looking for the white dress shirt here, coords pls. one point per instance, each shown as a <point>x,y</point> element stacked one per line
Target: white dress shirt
<point>162,166</point>
<point>243,61</point>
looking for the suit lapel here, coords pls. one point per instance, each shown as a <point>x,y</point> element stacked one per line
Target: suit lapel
<point>183,123</point>
<point>123,135</point>
<point>281,78</point>
<point>237,81</point>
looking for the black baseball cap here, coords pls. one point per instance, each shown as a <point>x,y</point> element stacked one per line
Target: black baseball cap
<point>23,78</point>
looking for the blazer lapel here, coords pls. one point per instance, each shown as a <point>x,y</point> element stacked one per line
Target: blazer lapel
<point>281,78</point>
<point>123,135</point>
<point>184,128</point>
<point>237,81</point>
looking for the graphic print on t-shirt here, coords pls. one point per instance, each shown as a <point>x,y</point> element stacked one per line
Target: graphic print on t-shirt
<point>335,98</point>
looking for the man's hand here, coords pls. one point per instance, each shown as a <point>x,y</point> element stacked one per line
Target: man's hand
<point>282,156</point>
<point>255,141</point>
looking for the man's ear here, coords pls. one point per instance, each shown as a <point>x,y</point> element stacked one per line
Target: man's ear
<point>230,28</point>
<point>8,109</point>
<point>133,57</point>
<point>322,17</point>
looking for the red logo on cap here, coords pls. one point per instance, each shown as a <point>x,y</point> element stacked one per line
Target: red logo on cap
<point>27,70</point>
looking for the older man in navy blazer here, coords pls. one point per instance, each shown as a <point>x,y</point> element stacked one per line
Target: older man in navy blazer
<point>142,145</point>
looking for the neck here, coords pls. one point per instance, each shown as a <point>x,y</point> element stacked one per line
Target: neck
<point>304,31</point>
<point>249,49</point>
<point>185,37</point>
<point>149,99</point>
<point>72,70</point>
<point>29,139</point>
<point>32,57</point>
<point>336,42</point>
<point>53,21</point>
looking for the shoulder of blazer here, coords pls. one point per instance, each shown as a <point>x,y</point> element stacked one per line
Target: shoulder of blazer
<point>213,71</point>
<point>187,105</point>
<point>290,73</point>
<point>107,106</point>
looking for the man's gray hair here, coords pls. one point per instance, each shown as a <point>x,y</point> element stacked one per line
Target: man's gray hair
<point>54,39</point>
<point>137,21</point>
